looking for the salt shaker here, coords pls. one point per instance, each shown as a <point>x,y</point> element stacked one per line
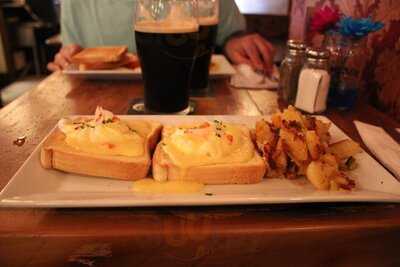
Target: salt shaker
<point>290,70</point>
<point>314,80</point>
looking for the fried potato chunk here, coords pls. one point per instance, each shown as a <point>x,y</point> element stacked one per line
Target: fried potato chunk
<point>314,145</point>
<point>297,147</point>
<point>264,133</point>
<point>317,176</point>
<point>322,130</point>
<point>279,158</point>
<point>345,149</point>
<point>291,114</point>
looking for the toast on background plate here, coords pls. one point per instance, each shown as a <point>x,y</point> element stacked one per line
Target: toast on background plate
<point>128,60</point>
<point>103,146</point>
<point>209,153</point>
<point>105,58</point>
<point>104,54</point>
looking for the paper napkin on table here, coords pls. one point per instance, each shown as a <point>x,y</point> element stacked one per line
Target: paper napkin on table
<point>384,147</point>
<point>246,77</point>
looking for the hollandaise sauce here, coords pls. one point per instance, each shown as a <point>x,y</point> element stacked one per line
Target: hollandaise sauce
<point>209,143</point>
<point>106,134</point>
<point>150,186</point>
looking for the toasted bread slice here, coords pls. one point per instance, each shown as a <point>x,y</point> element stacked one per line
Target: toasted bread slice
<point>96,55</point>
<point>128,60</point>
<point>57,154</point>
<point>249,172</point>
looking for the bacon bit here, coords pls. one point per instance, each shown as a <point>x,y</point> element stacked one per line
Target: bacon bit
<point>229,137</point>
<point>115,118</point>
<point>204,125</point>
<point>110,146</point>
<point>351,184</point>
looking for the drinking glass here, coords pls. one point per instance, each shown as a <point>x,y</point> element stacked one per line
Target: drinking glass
<point>208,18</point>
<point>166,33</point>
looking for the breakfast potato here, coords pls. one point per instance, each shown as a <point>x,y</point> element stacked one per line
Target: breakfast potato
<point>345,149</point>
<point>276,120</point>
<point>342,182</point>
<point>330,159</point>
<point>295,143</point>
<point>302,168</point>
<point>316,175</point>
<point>322,130</point>
<point>324,176</point>
<point>253,136</point>
<point>264,133</point>
<point>315,148</point>
<point>292,114</point>
<point>279,157</point>
<point>309,123</point>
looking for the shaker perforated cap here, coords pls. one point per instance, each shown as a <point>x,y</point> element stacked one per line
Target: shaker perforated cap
<point>296,45</point>
<point>317,53</point>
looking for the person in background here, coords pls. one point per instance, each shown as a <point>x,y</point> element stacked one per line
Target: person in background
<point>93,23</point>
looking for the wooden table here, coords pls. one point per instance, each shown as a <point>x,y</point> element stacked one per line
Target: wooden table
<point>267,235</point>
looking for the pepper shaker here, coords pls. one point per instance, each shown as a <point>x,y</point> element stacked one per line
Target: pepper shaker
<point>290,70</point>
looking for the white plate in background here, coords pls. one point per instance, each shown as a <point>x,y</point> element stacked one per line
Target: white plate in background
<point>33,186</point>
<point>220,68</point>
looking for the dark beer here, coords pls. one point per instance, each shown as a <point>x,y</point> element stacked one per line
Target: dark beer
<point>166,57</point>
<point>207,37</point>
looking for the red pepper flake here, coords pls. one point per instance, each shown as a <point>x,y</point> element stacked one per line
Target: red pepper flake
<point>110,146</point>
<point>204,125</point>
<point>187,131</point>
<point>229,137</point>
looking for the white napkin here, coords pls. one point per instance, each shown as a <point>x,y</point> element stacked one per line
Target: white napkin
<point>246,77</point>
<point>381,145</point>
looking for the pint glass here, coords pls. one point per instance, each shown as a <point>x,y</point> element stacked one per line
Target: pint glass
<point>166,33</point>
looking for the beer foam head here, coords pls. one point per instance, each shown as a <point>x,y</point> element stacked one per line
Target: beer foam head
<point>178,20</point>
<point>208,21</point>
<point>167,26</point>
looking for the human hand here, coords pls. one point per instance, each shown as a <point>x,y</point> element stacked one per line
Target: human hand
<point>251,49</point>
<point>63,57</point>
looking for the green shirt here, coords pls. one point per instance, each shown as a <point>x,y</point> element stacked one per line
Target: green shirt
<point>90,23</point>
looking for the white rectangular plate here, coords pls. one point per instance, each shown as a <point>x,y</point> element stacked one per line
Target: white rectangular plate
<point>221,68</point>
<point>33,186</point>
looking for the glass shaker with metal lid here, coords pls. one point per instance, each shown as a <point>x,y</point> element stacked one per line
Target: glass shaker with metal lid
<point>314,80</point>
<point>290,70</point>
<point>317,58</point>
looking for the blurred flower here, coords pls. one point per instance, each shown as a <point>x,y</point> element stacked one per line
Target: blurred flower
<point>358,28</point>
<point>324,19</point>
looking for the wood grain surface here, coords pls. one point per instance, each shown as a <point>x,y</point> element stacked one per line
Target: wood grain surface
<point>344,234</point>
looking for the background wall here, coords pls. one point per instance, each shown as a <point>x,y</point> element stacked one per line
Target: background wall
<point>379,64</point>
<point>271,7</point>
